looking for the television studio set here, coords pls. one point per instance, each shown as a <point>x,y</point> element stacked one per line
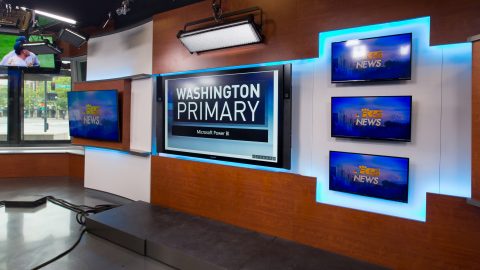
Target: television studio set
<point>215,135</point>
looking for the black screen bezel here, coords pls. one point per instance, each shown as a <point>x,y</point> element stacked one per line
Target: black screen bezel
<point>373,80</point>
<point>367,195</point>
<point>284,115</point>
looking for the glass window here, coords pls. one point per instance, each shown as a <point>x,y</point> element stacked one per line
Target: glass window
<point>45,107</point>
<point>3,108</point>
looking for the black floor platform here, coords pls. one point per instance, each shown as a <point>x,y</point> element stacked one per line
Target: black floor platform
<point>191,242</point>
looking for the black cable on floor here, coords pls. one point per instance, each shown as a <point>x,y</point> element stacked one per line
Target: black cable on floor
<point>61,255</point>
<point>82,212</point>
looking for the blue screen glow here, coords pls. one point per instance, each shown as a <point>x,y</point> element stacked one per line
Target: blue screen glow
<point>94,115</point>
<point>383,118</point>
<point>369,175</point>
<point>382,58</point>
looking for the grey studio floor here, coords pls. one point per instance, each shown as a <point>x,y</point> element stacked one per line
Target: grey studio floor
<point>31,237</point>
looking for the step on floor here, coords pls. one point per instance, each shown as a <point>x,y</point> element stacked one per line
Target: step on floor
<point>191,242</point>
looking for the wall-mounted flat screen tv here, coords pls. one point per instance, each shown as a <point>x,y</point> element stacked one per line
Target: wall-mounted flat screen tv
<point>94,115</point>
<point>378,118</point>
<point>372,59</point>
<point>12,54</point>
<point>240,115</point>
<point>370,175</point>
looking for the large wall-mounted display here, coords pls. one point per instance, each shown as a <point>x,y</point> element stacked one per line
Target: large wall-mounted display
<point>94,115</point>
<point>372,59</point>
<point>380,118</point>
<point>236,115</point>
<point>370,175</point>
<point>12,54</point>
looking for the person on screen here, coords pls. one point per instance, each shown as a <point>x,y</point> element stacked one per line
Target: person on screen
<point>20,56</point>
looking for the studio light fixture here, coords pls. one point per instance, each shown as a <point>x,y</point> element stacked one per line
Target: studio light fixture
<point>50,15</point>
<point>72,37</point>
<point>43,47</point>
<point>227,30</point>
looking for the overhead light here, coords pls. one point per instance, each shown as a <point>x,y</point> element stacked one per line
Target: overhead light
<point>72,37</point>
<point>238,31</point>
<point>53,16</point>
<point>227,35</point>
<point>42,48</point>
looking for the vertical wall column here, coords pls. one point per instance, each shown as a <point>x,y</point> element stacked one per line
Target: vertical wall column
<point>476,118</point>
<point>15,111</point>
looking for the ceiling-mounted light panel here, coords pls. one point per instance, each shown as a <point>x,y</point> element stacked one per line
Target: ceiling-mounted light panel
<point>42,48</point>
<point>226,35</point>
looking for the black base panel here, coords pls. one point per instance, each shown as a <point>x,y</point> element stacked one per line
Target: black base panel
<point>127,225</point>
<point>28,201</point>
<point>190,242</point>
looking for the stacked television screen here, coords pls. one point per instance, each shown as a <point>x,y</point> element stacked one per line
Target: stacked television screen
<point>387,118</point>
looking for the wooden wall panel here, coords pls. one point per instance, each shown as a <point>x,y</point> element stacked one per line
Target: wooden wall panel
<point>76,167</point>
<point>476,121</point>
<point>42,165</point>
<point>124,91</point>
<point>32,165</point>
<point>291,28</point>
<point>283,204</point>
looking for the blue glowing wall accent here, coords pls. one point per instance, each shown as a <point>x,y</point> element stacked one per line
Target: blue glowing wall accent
<point>422,54</point>
<point>421,24</point>
<point>267,64</point>
<point>381,118</point>
<point>226,163</point>
<point>372,59</point>
<point>94,115</point>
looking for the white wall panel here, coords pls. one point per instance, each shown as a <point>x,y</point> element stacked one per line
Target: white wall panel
<point>113,56</point>
<point>141,115</point>
<point>118,173</point>
<point>455,166</point>
<point>121,54</point>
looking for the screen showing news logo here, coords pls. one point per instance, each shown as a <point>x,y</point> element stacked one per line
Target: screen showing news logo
<point>380,118</point>
<point>370,175</point>
<point>94,114</point>
<point>380,58</point>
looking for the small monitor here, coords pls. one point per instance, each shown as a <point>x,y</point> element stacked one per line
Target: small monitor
<point>375,118</point>
<point>381,177</point>
<point>14,53</point>
<point>372,59</point>
<point>94,115</point>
